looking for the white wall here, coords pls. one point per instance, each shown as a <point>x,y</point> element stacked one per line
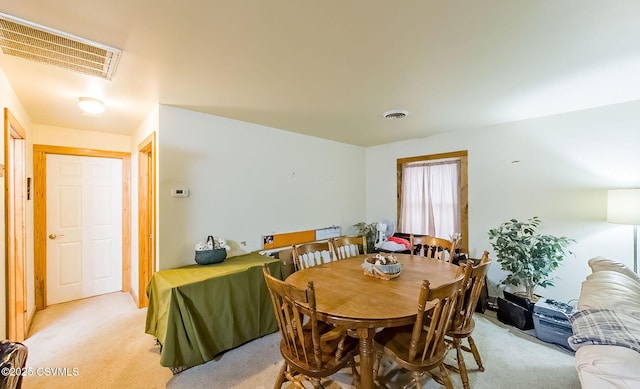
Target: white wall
<point>247,180</point>
<point>567,163</point>
<point>68,137</point>
<point>8,99</point>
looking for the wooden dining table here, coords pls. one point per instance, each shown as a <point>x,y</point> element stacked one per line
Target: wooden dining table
<point>346,296</point>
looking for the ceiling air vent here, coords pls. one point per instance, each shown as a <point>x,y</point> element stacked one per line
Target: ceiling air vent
<point>395,114</point>
<point>38,43</point>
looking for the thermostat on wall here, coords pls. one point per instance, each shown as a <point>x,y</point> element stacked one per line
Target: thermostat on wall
<point>179,192</point>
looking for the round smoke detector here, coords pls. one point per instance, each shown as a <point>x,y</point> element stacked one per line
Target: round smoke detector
<point>395,114</point>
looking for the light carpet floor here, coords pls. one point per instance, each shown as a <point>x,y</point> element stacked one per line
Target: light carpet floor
<point>103,338</point>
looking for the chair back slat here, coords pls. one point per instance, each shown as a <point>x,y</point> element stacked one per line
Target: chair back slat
<point>417,327</point>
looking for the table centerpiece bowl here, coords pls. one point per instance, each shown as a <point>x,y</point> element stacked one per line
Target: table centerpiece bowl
<point>381,266</point>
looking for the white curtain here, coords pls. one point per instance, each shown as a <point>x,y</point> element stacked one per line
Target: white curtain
<point>430,202</point>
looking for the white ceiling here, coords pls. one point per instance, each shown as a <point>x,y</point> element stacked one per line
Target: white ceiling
<point>331,68</point>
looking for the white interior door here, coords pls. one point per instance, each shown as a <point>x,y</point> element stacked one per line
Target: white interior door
<point>84,227</point>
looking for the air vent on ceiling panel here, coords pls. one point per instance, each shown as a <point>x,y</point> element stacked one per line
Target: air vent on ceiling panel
<point>395,114</point>
<point>34,42</point>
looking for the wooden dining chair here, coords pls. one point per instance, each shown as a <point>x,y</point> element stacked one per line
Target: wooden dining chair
<point>349,246</point>
<point>311,349</point>
<point>312,254</point>
<point>421,347</point>
<point>432,247</point>
<point>462,324</point>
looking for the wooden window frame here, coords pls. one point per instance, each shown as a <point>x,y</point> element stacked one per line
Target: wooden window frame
<point>462,185</point>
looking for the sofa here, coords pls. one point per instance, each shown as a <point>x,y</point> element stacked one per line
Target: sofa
<point>606,327</point>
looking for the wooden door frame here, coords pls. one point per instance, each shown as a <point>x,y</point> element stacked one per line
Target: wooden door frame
<point>15,224</point>
<point>146,216</point>
<point>40,212</point>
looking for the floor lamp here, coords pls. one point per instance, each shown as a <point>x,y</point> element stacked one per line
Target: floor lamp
<point>623,207</point>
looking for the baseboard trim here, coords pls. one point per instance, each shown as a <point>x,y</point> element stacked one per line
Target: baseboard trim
<point>134,297</point>
<point>30,317</point>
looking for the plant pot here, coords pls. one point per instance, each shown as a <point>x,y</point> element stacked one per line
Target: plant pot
<point>516,311</point>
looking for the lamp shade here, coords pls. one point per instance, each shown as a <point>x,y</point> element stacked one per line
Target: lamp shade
<point>623,206</point>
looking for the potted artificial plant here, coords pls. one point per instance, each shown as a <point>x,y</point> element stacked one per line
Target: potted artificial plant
<point>529,258</point>
<point>370,231</point>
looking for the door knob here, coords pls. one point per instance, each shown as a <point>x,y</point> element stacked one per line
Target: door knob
<point>53,236</point>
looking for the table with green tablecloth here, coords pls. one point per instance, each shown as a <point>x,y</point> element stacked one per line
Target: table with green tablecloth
<point>196,311</point>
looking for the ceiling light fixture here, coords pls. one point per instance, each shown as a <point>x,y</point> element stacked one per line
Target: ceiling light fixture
<point>395,114</point>
<point>90,105</point>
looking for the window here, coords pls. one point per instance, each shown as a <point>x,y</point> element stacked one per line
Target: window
<point>432,195</point>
